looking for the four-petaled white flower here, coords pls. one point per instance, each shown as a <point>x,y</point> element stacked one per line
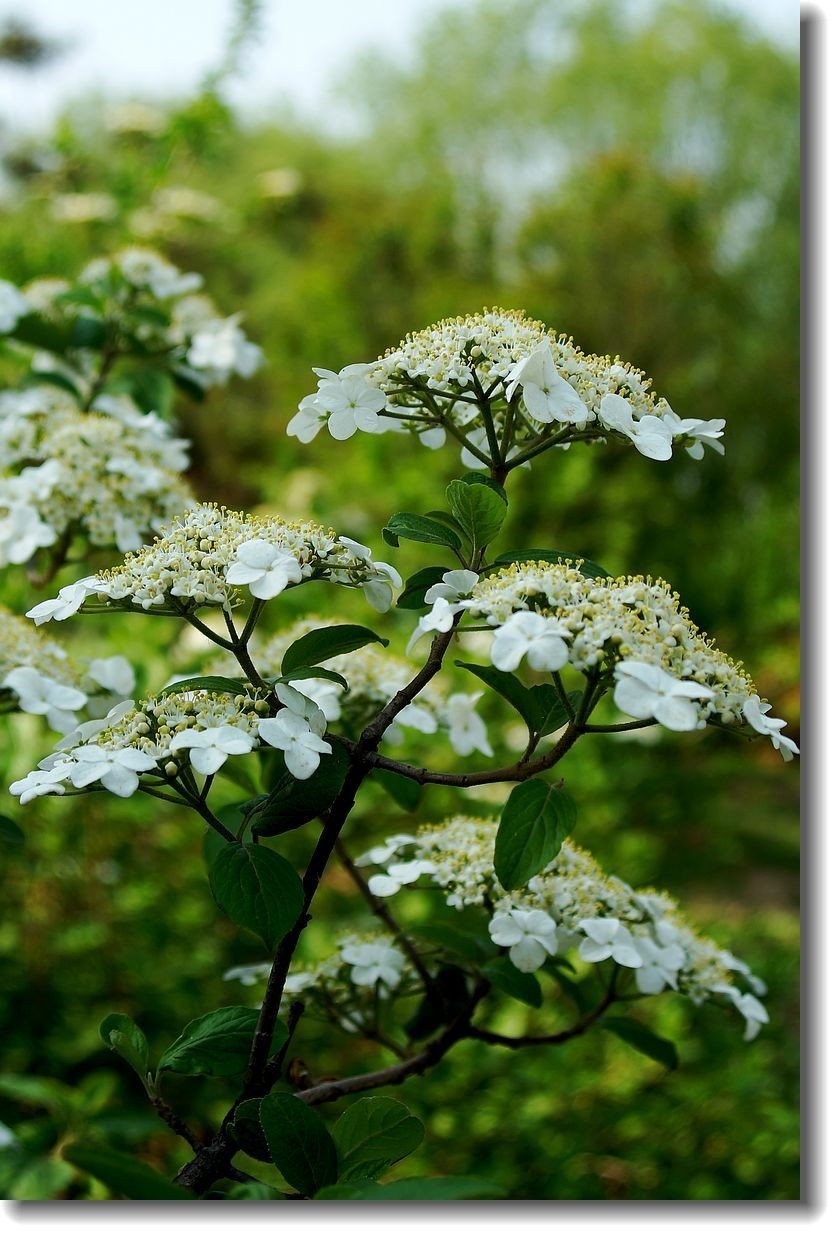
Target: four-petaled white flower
<point>750,1008</point>
<point>249,975</point>
<point>608,938</point>
<point>22,532</point>
<point>344,402</point>
<point>700,433</point>
<point>547,395</point>
<point>660,966</point>
<point>297,731</point>
<point>379,588</point>
<point>467,731</point>
<point>530,934</point>
<point>757,715</point>
<point>324,694</point>
<point>440,618</point>
<point>68,601</point>
<point>398,875</point>
<point>219,347</point>
<point>539,639</point>
<point>455,585</point>
<point>209,748</point>
<point>41,781</point>
<point>374,962</point>
<point>650,693</point>
<point>265,570</point>
<point>114,673</point>
<point>649,435</point>
<point>117,770</point>
<point>42,696</point>
<point>379,854</point>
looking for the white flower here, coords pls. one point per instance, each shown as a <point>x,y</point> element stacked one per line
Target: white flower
<point>298,736</point>
<point>379,588</point>
<point>660,968</point>
<point>607,937</point>
<point>440,618</point>
<point>22,532</point>
<point>530,934</point>
<point>309,419</point>
<point>649,435</point>
<point>41,781</point>
<point>88,729</point>
<point>267,571</point>
<point>379,854</point>
<point>219,347</point>
<point>117,770</point>
<point>467,731</point>
<point>547,396</point>
<point>345,402</point>
<point>398,875</point>
<point>209,748</point>
<point>750,1008</point>
<point>455,585</point>
<point>41,696</point>
<point>114,673</point>
<point>374,962</point>
<point>433,438</point>
<point>540,639</point>
<point>648,692</point>
<point>756,713</point>
<point>324,694</point>
<point>249,975</point>
<point>69,600</point>
<point>13,306</point>
<point>700,433</point>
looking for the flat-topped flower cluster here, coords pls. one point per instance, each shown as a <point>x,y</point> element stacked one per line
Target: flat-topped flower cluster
<point>571,905</point>
<point>500,383</point>
<point>208,555</point>
<point>111,475</point>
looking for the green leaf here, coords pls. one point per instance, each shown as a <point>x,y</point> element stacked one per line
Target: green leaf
<point>374,1133</point>
<point>36,331</point>
<point>152,390</point>
<point>10,833</point>
<point>591,570</point>
<point>43,1091</point>
<point>478,478</point>
<point>507,685</point>
<point>125,1037</point>
<point>448,994</point>
<point>535,821</point>
<point>218,685</point>
<point>247,1129</point>
<point>474,948</point>
<point>88,332</point>
<point>525,987</point>
<point>642,1039</point>
<point>312,671</point>
<point>61,380</point>
<point>317,645</point>
<point>216,1044</point>
<point>257,889</point>
<point>554,712</point>
<point>292,802</point>
<point>301,1147</point>
<point>123,1174</point>
<point>421,528</point>
<point>478,509</point>
<point>405,792</point>
<point>418,584</point>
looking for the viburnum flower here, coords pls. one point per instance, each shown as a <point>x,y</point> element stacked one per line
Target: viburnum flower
<point>660,966</point>
<point>700,433</point>
<point>13,306</point>
<point>41,781</point>
<point>117,770</point>
<point>607,938</point>
<point>41,696</point>
<point>378,588</point>
<point>398,875</point>
<point>467,731</point>
<point>209,748</point>
<point>440,618</point>
<point>530,934</point>
<point>219,348</point>
<point>265,570</point>
<point>455,585</point>
<point>648,692</point>
<point>113,673</point>
<point>374,962</point>
<point>541,640</point>
<point>546,394</point>
<point>649,435</point>
<point>756,713</point>
<point>22,530</point>
<point>752,1010</point>
<point>68,601</point>
<point>297,731</point>
<point>344,402</point>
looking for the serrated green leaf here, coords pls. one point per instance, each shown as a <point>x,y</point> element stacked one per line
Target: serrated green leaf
<point>508,686</point>
<point>418,584</point>
<point>301,1148</point>
<point>374,1133</point>
<point>501,972</point>
<point>478,509</point>
<point>292,802</point>
<point>420,528</point>
<point>123,1174</point>
<point>216,1044</point>
<point>642,1039</point>
<point>535,821</point>
<point>258,889</point>
<point>124,1036</point>
<point>317,645</point>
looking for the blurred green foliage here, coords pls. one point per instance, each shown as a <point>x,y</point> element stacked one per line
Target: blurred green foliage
<point>631,180</point>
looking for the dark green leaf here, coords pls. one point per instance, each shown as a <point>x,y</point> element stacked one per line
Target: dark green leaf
<point>447,995</point>
<point>56,379</point>
<point>510,688</point>
<point>292,802</point>
<point>218,685</point>
<point>216,1044</point>
<point>123,1174</point>
<point>247,1130</point>
<point>87,332</point>
<point>405,792</point>
<point>592,570</point>
<point>478,478</point>
<point>418,584</point>
<point>317,645</point>
<point>37,332</point>
<point>421,528</point>
<point>584,992</point>
<point>554,712</point>
<point>535,821</point>
<point>125,1037</point>
<point>374,1133</point>
<point>478,509</point>
<point>185,380</point>
<point>525,987</point>
<point>301,1147</point>
<point>474,948</point>
<point>10,833</point>
<point>152,390</point>
<point>257,889</point>
<point>642,1039</point>
<point>312,671</point>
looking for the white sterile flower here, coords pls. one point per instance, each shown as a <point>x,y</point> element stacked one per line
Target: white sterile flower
<point>441,618</point>
<point>248,975</point>
<point>219,347</point>
<point>379,854</point>
<point>22,532</point>
<point>324,694</point>
<point>415,716</point>
<point>700,433</point>
<point>292,733</point>
<point>757,715</point>
<point>42,696</point>
<point>350,401</point>
<point>114,673</point>
<point>265,570</point>
<point>649,435</point>
<point>69,600</point>
<point>13,306</point>
<point>209,748</point>
<point>117,770</point>
<point>398,875</point>
<point>609,938</point>
<point>433,438</point>
<point>308,420</point>
<point>648,692</point>
<point>547,396</point>
<point>467,731</point>
<point>661,965</point>
<point>41,781</point>
<point>88,729</point>
<point>751,1009</point>
<point>374,962</point>
<point>455,585</point>
<point>540,639</point>
<point>530,934</point>
<point>379,589</point>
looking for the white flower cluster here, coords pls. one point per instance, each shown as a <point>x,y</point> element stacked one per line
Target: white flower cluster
<point>110,474</point>
<point>535,383</point>
<point>208,555</point>
<point>571,905</point>
<point>37,676</point>
<point>549,615</point>
<point>374,677</point>
<point>184,731</point>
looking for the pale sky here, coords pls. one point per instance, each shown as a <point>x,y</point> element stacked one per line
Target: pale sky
<point>157,48</point>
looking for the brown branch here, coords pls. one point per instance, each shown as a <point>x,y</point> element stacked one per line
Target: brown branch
<point>550,1039</point>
